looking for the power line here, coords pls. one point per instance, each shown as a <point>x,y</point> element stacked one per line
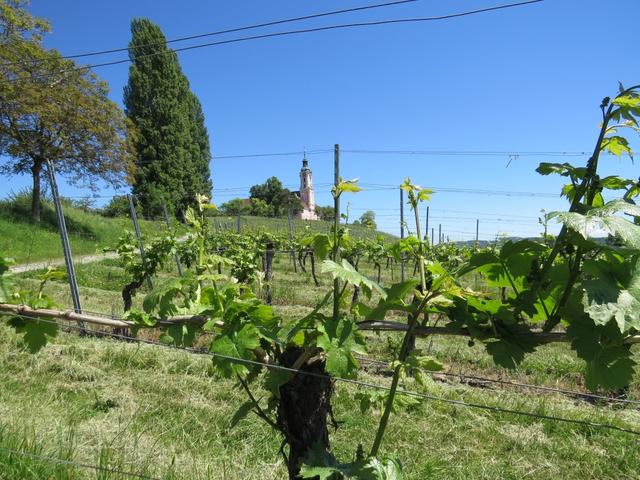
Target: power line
<point>508,193</point>
<point>75,464</point>
<point>350,381</point>
<point>235,29</point>
<point>306,30</point>
<point>283,154</point>
<point>472,153</point>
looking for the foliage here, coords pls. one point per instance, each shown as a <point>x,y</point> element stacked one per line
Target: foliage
<point>368,219</point>
<point>118,206</point>
<point>280,200</point>
<point>35,331</point>
<point>325,213</point>
<point>260,208</point>
<point>51,110</point>
<point>235,206</point>
<point>172,145</point>
<point>589,290</point>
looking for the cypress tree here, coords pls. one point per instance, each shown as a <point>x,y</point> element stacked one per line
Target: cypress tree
<point>172,144</point>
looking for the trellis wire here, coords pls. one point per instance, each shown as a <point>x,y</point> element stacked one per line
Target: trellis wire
<point>353,381</point>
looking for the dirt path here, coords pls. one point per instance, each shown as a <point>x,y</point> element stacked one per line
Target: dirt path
<point>77,260</point>
<point>59,262</point>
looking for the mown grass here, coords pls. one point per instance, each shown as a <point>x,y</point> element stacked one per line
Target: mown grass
<point>159,412</point>
<point>162,413</point>
<point>295,294</point>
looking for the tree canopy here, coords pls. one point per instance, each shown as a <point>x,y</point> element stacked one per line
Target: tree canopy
<point>172,145</point>
<point>281,200</point>
<point>53,110</point>
<point>368,219</point>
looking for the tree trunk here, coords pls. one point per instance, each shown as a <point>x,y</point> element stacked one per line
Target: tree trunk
<point>35,194</point>
<point>128,292</point>
<point>303,410</point>
<point>301,260</point>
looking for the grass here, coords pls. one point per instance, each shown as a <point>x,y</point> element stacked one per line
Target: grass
<point>27,241</point>
<point>162,413</point>
<point>159,412</point>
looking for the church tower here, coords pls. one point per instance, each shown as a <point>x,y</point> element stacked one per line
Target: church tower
<point>307,195</point>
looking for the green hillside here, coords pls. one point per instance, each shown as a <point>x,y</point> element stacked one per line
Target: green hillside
<point>27,241</point>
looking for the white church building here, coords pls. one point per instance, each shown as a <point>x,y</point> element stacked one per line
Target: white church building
<point>306,193</point>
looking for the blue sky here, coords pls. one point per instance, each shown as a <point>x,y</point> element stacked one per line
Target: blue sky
<point>527,79</point>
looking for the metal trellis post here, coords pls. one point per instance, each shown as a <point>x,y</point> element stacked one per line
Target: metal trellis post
<point>64,238</point>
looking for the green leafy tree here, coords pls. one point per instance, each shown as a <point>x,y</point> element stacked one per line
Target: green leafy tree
<point>173,154</point>
<point>368,219</point>
<point>260,208</point>
<point>267,191</point>
<point>287,203</point>
<point>282,200</point>
<point>325,213</point>
<point>51,110</point>
<point>235,206</point>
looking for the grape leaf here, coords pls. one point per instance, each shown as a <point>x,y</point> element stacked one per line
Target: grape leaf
<point>604,218</point>
<point>603,301</point>
<point>617,145</point>
<point>179,335</point>
<point>321,245</point>
<point>347,273</point>
<point>237,345</point>
<point>35,332</point>
<point>339,339</point>
<point>387,468</point>
<point>611,368</point>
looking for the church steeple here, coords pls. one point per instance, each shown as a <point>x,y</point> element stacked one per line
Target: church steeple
<point>307,195</point>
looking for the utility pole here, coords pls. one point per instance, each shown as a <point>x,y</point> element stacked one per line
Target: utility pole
<point>401,231</point>
<point>439,233</point>
<point>336,225</point>
<point>64,238</point>
<point>432,235</point>
<point>238,222</point>
<point>427,227</point>
<point>292,254</point>
<point>477,230</point>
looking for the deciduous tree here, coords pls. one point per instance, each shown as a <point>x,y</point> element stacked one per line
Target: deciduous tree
<point>53,110</point>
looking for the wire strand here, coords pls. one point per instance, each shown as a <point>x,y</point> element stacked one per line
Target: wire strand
<point>303,31</point>
<point>359,383</point>
<point>233,30</point>
<point>515,384</point>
